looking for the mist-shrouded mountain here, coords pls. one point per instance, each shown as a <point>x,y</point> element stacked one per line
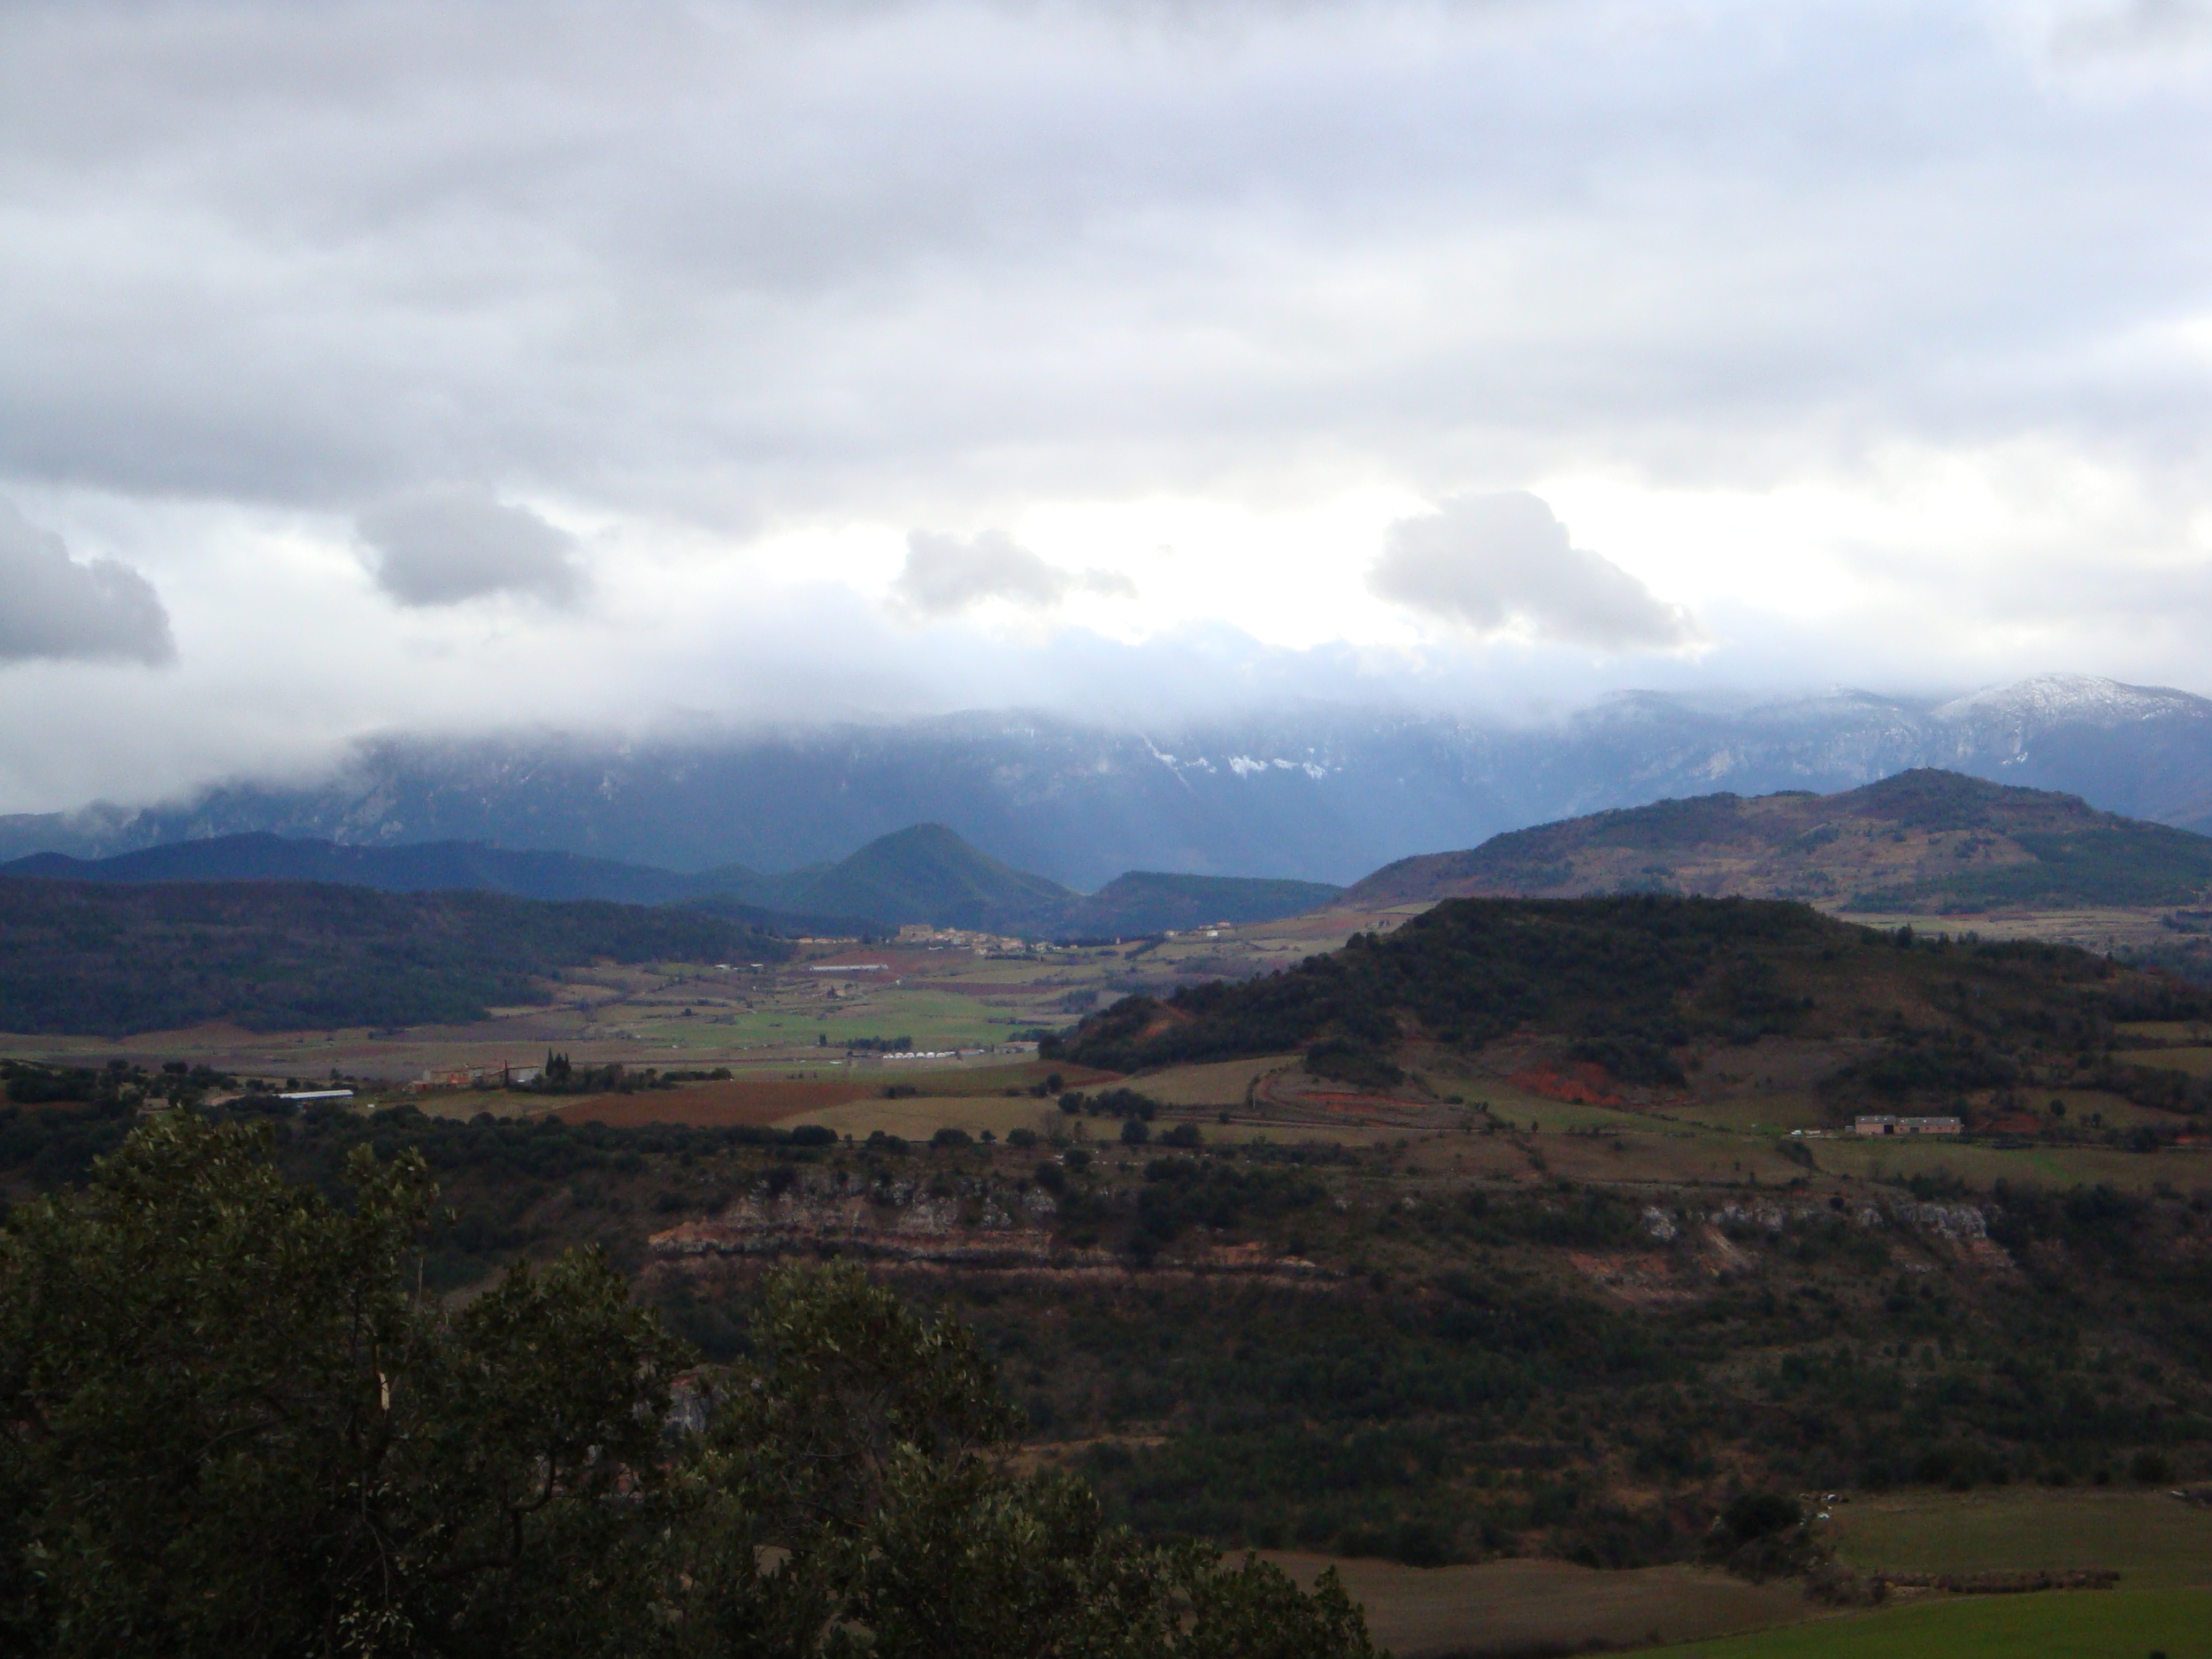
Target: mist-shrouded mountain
<point>1925,840</point>
<point>927,873</point>
<point>1319,793</point>
<point>433,867</point>
<point>923,874</point>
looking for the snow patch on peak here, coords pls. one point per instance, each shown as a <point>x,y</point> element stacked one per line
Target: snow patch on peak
<point>2051,699</point>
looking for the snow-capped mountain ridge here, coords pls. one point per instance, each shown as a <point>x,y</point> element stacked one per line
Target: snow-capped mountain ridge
<point>1324,794</point>
<point>2087,698</point>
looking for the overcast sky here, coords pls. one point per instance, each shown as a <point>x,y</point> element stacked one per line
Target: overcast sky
<point>379,366</point>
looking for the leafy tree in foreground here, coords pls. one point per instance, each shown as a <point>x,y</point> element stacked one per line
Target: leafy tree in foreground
<point>232,1423</point>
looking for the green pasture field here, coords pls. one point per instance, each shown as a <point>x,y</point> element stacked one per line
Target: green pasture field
<point>1666,1160</point>
<point>918,1117</point>
<point>2167,1030</point>
<point>2154,1540</point>
<point>1765,1114</point>
<point>1655,1146</point>
<point>1219,1084</point>
<point>1532,1606</point>
<point>2053,1624</point>
<point>1626,1146</point>
<point>2117,1111</point>
<point>2044,1166</point>
<point>933,1019</point>
<point>1515,1109</point>
<point>2195,1062</point>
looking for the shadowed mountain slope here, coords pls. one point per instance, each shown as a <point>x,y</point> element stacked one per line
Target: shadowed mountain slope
<point>111,958</point>
<point>421,867</point>
<point>439,867</point>
<point>924,874</point>
<point>1922,841</point>
<point>929,874</point>
<point>1149,902</point>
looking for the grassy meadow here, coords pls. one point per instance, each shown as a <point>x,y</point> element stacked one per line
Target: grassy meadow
<point>1980,1166</point>
<point>2069,1624</point>
<point>1531,1606</point>
<point>2152,1541</point>
<point>2162,1548</point>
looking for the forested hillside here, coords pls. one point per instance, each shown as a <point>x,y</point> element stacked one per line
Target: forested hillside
<point>112,959</point>
<point>1426,1364</point>
<point>1631,981</point>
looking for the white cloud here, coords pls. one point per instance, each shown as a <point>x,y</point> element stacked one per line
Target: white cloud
<point>1504,564</point>
<point>945,575</point>
<point>52,606</point>
<point>2090,29</point>
<point>444,546</point>
<point>725,278</point>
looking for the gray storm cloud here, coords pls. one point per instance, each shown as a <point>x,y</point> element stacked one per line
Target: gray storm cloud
<point>756,258</point>
<point>52,606</point>
<point>445,546</point>
<point>1497,564</point>
<point>945,575</point>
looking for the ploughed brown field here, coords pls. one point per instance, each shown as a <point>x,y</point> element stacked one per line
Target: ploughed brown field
<point>715,1105</point>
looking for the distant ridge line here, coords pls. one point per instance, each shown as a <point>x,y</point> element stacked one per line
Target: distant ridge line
<point>926,873</point>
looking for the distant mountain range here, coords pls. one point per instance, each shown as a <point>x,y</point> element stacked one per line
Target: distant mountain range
<point>424,867</point>
<point>927,873</point>
<point>1922,841</point>
<point>923,874</point>
<point>1322,795</point>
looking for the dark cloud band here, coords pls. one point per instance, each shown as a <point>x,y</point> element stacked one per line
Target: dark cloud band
<point>52,606</point>
<point>945,575</point>
<point>445,546</point>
